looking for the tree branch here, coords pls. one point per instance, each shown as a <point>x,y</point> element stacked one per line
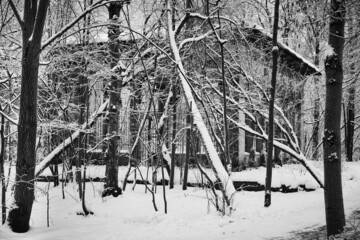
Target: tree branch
<point>95,5</point>
<point>40,20</point>
<point>16,13</point>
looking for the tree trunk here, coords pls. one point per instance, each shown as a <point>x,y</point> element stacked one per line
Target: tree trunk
<point>2,174</point>
<point>316,115</point>
<point>33,25</point>
<point>350,108</point>
<point>80,141</point>
<point>334,206</point>
<point>188,151</point>
<point>350,126</point>
<point>173,136</point>
<point>275,53</point>
<point>112,164</point>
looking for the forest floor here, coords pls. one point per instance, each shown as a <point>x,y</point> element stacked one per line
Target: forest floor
<point>190,214</point>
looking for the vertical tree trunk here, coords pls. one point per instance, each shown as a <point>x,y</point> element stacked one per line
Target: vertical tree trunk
<point>275,53</point>
<point>350,126</point>
<point>2,175</point>
<point>316,115</point>
<point>350,108</point>
<point>32,29</point>
<point>80,142</point>
<point>334,206</point>
<point>173,144</point>
<point>112,164</point>
<point>188,151</point>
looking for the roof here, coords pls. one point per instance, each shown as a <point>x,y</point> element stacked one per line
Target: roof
<point>263,40</point>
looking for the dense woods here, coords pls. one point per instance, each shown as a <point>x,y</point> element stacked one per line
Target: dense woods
<point>108,95</point>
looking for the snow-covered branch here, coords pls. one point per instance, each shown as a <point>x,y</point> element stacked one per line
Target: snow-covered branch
<point>92,7</point>
<point>58,150</point>
<point>293,149</point>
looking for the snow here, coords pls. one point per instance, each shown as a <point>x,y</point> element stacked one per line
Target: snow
<point>166,154</point>
<point>190,214</point>
<point>328,50</point>
<point>292,175</point>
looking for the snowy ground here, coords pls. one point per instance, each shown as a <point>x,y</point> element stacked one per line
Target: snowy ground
<point>190,215</point>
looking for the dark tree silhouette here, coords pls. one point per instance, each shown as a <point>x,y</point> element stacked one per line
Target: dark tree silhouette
<point>275,53</point>
<point>32,27</point>
<point>114,103</point>
<point>334,206</point>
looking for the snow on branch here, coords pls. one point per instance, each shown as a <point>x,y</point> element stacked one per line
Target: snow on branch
<point>194,39</point>
<point>164,149</point>
<point>293,149</point>
<point>92,7</point>
<point>47,160</point>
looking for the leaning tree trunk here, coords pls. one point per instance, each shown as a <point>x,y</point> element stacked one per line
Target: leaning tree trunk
<point>32,29</point>
<point>275,53</point>
<point>227,186</point>
<point>112,165</point>
<point>334,206</point>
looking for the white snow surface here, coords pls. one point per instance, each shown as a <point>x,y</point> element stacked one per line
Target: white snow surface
<point>190,215</point>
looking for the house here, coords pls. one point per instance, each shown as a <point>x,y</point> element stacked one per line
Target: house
<point>151,76</point>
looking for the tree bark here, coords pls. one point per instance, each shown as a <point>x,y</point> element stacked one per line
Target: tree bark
<point>173,136</point>
<point>2,174</point>
<point>334,206</point>
<point>32,29</point>
<point>316,115</point>
<point>275,53</point>
<point>350,107</point>
<point>350,123</point>
<point>112,164</point>
<point>188,151</point>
